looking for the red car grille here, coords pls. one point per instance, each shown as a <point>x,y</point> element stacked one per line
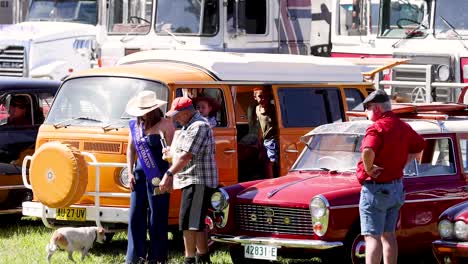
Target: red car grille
<point>276,220</point>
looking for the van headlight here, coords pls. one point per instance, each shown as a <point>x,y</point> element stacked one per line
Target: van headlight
<point>443,72</point>
<point>123,178</point>
<point>460,229</point>
<point>219,200</point>
<point>445,229</point>
<point>320,214</point>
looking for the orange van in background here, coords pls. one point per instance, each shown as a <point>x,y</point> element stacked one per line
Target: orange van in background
<point>78,172</point>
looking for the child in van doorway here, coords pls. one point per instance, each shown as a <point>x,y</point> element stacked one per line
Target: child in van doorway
<point>207,107</point>
<point>266,116</point>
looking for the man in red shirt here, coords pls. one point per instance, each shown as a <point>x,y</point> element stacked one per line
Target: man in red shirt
<point>388,145</point>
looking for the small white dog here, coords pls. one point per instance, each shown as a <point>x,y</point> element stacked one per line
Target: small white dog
<point>75,239</point>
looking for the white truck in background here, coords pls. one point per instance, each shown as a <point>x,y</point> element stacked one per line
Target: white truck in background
<point>56,37</point>
<point>433,34</point>
<point>11,11</point>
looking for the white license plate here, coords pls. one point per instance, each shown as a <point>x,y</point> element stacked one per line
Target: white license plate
<point>260,252</point>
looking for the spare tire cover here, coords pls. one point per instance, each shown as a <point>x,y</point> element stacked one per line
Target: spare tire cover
<point>58,174</point>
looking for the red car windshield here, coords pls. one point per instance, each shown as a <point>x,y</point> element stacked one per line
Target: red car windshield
<point>330,151</point>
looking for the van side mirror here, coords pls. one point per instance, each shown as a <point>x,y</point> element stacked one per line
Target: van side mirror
<point>240,20</point>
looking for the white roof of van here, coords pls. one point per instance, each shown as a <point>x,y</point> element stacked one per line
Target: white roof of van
<point>259,67</point>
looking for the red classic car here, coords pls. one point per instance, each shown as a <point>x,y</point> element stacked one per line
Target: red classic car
<point>453,230</point>
<point>313,210</point>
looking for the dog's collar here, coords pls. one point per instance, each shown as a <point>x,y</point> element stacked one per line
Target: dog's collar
<point>95,237</point>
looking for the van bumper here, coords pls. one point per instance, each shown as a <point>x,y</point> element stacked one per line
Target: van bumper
<point>93,213</point>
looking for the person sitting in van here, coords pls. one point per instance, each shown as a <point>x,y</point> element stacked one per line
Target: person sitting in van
<point>266,116</point>
<point>19,111</point>
<point>207,107</point>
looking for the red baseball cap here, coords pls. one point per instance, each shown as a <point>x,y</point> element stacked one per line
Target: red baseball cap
<point>180,104</point>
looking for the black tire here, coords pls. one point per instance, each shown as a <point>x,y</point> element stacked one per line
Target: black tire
<point>237,256</point>
<point>354,248</point>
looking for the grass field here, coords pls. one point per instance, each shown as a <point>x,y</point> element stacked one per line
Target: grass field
<point>24,241</point>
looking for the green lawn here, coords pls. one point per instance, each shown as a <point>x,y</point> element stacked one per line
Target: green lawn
<point>24,241</point>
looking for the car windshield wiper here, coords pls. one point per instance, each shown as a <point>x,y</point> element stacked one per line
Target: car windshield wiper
<point>65,123</point>
<point>409,34</point>
<point>114,125</point>
<point>459,37</point>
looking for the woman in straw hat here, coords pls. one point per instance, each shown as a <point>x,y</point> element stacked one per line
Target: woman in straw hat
<point>147,134</point>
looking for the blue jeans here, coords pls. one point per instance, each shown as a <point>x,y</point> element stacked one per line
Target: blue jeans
<point>147,212</point>
<point>271,146</point>
<point>379,207</point>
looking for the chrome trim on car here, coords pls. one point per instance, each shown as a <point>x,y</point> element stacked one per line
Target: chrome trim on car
<point>450,243</point>
<point>273,219</point>
<point>406,201</point>
<point>278,242</point>
<point>436,199</point>
<point>344,206</point>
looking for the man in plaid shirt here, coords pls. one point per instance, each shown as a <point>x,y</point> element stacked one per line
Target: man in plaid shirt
<point>195,173</point>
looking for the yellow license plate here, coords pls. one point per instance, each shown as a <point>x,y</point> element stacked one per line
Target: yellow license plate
<point>71,214</point>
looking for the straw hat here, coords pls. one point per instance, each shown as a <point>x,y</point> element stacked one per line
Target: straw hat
<point>143,102</point>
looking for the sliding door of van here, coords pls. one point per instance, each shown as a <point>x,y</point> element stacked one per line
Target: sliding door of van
<point>223,123</point>
<point>301,108</point>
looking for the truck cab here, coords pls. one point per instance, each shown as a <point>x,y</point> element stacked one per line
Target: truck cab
<point>432,34</point>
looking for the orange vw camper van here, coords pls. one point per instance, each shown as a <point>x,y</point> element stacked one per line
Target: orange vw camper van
<point>78,172</point>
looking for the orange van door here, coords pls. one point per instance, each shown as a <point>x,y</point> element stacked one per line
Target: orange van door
<point>224,128</point>
<point>300,108</point>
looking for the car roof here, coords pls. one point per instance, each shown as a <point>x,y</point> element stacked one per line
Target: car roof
<point>457,125</point>
<point>227,66</point>
<point>28,84</point>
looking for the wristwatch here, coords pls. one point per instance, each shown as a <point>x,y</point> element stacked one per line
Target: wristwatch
<point>169,173</point>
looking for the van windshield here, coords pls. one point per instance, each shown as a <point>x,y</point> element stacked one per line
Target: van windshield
<point>80,11</point>
<point>98,101</point>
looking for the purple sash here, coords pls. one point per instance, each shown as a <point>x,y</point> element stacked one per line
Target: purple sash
<point>145,156</point>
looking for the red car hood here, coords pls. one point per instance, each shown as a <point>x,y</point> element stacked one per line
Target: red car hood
<point>298,188</point>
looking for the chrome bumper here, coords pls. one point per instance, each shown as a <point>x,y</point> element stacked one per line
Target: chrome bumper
<point>278,242</point>
<point>101,214</point>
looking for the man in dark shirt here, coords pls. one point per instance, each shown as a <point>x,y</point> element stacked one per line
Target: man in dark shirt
<point>388,145</point>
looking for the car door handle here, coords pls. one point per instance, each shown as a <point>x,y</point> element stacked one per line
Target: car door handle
<point>291,150</point>
<point>229,151</point>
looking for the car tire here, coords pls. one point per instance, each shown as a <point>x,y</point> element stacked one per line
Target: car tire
<point>237,256</point>
<point>354,248</point>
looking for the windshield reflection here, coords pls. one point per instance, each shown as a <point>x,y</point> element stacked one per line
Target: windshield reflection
<point>98,101</point>
<point>80,11</point>
<point>184,17</point>
<point>330,152</point>
<point>454,12</point>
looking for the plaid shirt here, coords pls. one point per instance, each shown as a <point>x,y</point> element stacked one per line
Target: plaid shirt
<point>197,138</point>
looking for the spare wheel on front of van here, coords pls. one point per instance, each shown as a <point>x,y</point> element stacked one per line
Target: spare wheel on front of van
<point>58,174</point>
